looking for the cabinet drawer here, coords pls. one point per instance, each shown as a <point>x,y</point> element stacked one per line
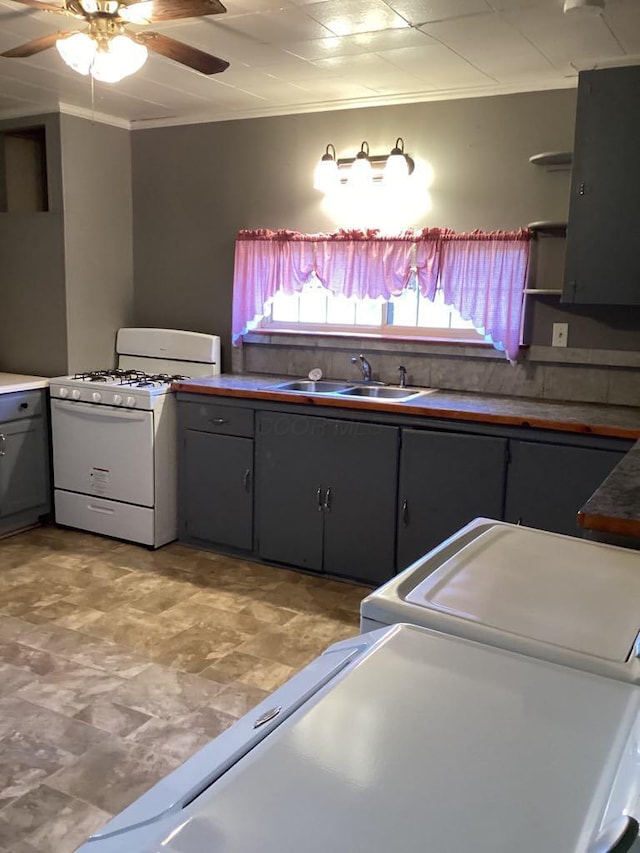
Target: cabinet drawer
<point>21,404</point>
<point>224,420</point>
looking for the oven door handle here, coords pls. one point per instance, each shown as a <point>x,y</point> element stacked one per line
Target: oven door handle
<point>93,411</point>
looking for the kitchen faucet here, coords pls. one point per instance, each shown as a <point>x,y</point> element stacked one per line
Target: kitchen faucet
<point>364,366</point>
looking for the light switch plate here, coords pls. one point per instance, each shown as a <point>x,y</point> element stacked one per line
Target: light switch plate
<point>560,334</point>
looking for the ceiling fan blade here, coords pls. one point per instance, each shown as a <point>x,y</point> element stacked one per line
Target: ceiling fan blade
<point>44,7</point>
<point>183,53</point>
<point>35,46</point>
<point>169,10</point>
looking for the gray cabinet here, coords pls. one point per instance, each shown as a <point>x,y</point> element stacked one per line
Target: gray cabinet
<point>24,460</point>
<point>446,480</point>
<point>326,494</point>
<point>604,215</point>
<point>216,475</point>
<point>547,483</point>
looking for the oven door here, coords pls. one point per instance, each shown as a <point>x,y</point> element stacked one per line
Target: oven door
<point>103,451</point>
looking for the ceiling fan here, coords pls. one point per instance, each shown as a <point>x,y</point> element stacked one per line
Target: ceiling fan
<point>107,50</point>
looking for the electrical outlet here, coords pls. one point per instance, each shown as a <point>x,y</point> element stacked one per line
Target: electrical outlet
<point>560,334</point>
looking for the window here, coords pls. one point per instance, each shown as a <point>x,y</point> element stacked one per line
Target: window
<point>413,283</point>
<point>316,309</point>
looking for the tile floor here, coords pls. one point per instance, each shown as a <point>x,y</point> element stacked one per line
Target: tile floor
<point>117,663</point>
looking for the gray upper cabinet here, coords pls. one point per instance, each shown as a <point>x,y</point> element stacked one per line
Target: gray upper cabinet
<point>216,475</point>
<point>446,480</point>
<point>24,460</point>
<point>604,217</point>
<point>547,484</point>
<point>326,494</point>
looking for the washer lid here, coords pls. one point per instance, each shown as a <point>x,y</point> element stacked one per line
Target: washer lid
<point>571,593</point>
<point>428,743</point>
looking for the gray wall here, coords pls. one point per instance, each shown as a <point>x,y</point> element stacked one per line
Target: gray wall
<point>33,324</point>
<point>195,186</point>
<point>96,169</point>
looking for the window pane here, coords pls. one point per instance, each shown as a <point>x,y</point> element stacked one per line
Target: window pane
<point>434,314</point>
<point>313,306</point>
<point>405,308</point>
<point>369,312</point>
<point>340,310</point>
<point>284,309</point>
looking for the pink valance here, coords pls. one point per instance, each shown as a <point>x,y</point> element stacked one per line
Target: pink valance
<point>482,274</point>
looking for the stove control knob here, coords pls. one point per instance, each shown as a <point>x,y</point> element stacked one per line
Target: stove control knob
<point>117,399</point>
<point>63,392</point>
<point>130,401</point>
<point>96,396</point>
<point>75,394</point>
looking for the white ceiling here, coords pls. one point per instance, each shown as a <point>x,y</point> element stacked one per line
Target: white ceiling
<point>293,56</point>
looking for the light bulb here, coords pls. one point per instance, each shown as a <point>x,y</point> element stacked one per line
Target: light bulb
<point>325,177</point>
<point>360,174</point>
<point>78,51</point>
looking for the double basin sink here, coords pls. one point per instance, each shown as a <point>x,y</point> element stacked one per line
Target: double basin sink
<point>347,389</point>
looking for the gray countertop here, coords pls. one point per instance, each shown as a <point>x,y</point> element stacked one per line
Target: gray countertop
<point>10,382</point>
<point>585,418</point>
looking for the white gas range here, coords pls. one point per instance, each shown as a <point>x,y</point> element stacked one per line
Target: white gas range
<point>114,436</point>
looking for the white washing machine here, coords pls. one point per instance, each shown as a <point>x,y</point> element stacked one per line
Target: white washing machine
<point>543,594</point>
<point>413,741</point>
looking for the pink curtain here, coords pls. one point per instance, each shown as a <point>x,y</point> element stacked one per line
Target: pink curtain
<point>482,276</point>
<point>267,262</point>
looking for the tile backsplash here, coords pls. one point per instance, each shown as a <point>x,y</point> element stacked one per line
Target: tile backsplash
<point>550,373</point>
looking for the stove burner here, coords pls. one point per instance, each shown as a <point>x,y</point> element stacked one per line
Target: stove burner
<point>132,378</point>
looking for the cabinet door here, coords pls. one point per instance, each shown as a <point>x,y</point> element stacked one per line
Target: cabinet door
<point>361,465</point>
<point>290,484</point>
<point>217,489</point>
<point>547,484</point>
<point>604,216</point>
<point>446,480</point>
<point>23,466</point>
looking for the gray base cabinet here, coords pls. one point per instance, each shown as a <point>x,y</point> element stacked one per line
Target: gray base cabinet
<point>547,484</point>
<point>326,494</point>
<point>446,480</point>
<point>217,498</point>
<point>363,499</point>
<point>216,475</point>
<point>24,460</point>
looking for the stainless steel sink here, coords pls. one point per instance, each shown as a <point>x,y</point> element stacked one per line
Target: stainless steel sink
<point>381,392</point>
<point>311,387</point>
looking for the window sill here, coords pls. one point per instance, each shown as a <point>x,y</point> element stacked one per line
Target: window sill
<point>369,335</point>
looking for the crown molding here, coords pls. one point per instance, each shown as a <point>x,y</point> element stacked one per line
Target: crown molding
<point>96,117</point>
<point>362,103</point>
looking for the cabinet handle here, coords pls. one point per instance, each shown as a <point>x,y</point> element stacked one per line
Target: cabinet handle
<point>327,500</point>
<point>3,441</point>
<point>405,512</point>
<point>218,421</point>
<point>246,479</point>
<point>319,498</point>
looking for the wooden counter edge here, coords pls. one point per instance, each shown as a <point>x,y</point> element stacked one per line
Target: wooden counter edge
<point>609,524</point>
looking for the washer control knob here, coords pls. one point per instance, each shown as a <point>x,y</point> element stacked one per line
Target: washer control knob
<point>63,392</point>
<point>117,399</point>
<point>130,401</point>
<point>96,396</point>
<point>75,394</point>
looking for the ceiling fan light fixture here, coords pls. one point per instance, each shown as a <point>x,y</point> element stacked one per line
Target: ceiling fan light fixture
<point>120,57</point>
<point>78,51</point>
